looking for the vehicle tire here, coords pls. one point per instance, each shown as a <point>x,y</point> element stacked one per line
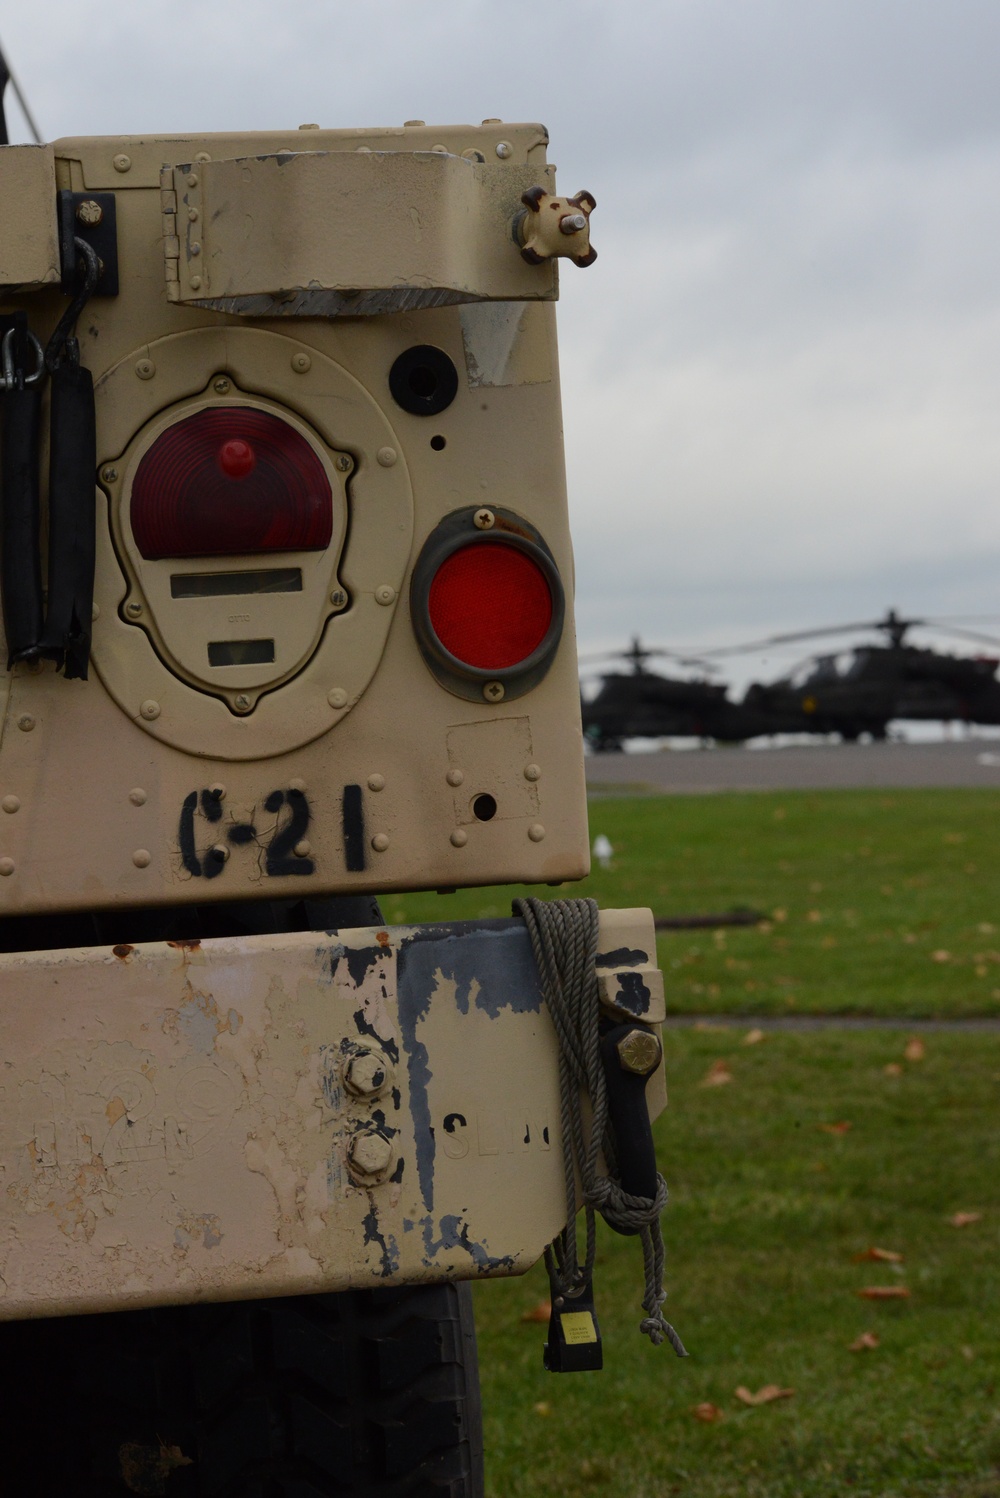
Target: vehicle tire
<point>369,1393</point>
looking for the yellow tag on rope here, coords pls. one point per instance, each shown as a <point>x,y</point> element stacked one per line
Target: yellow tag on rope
<point>577,1327</point>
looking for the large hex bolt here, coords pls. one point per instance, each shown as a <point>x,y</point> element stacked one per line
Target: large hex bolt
<point>370,1157</point>
<point>639,1052</point>
<point>367,1073</point>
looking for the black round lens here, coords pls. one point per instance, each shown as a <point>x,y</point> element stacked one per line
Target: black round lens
<point>423,380</point>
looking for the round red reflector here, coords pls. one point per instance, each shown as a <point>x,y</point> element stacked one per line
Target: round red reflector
<point>490,605</point>
<point>227,481</point>
<point>237,458</point>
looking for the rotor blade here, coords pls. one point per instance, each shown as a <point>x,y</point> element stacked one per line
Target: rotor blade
<point>7,74</point>
<point>800,634</point>
<point>968,634</point>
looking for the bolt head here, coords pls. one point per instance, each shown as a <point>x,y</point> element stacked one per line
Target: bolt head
<point>109,474</point>
<point>639,1052</point>
<point>344,463</point>
<point>242,702</point>
<point>484,520</point>
<point>133,610</point>
<point>122,163</point>
<point>367,1073</point>
<point>221,386</point>
<point>25,722</point>
<point>493,691</point>
<point>89,212</point>
<point>370,1156</point>
<point>573,223</point>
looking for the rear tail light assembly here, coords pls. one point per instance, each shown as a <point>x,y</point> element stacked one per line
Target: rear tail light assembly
<point>230,481</point>
<point>488,604</point>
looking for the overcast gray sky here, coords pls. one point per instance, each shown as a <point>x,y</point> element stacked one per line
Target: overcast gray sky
<point>782,376</point>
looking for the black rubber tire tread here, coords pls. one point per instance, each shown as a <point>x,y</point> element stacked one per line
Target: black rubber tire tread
<point>370,1393</point>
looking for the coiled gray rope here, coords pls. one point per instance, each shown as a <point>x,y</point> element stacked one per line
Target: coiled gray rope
<point>563,936</point>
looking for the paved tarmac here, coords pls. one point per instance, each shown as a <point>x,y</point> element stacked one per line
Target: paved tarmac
<point>971,762</point>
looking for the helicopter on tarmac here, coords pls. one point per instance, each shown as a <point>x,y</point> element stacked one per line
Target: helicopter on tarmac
<point>857,691</point>
<point>642,704</point>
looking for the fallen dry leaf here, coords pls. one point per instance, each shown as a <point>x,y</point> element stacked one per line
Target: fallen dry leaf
<point>543,1407</point>
<point>706,1026</point>
<point>145,1469</point>
<point>717,1075</point>
<point>893,1069</point>
<point>967,1353</point>
<point>767,1395</point>
<point>964,1219</point>
<point>843,1127</point>
<point>880,1255</point>
<point>753,1037</point>
<point>541,1312</point>
<point>884,1292</point>
<point>915,1049</point>
<point>867,1342</point>
<point>940,955</point>
<point>707,1412</point>
<point>814,916</point>
<point>779,915</point>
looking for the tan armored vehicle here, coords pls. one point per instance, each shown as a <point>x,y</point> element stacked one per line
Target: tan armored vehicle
<point>287,596</point>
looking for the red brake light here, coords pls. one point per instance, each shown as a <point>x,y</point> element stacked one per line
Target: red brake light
<point>490,605</point>
<point>227,481</point>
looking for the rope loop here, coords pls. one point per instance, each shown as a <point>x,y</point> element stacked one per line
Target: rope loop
<point>563,935</point>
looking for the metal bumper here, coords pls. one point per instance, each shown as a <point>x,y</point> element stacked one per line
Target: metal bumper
<point>272,1115</point>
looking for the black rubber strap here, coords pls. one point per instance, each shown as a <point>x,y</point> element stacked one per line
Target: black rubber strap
<point>72,519</point>
<point>20,568</point>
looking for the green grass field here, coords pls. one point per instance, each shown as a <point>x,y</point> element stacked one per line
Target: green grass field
<point>877,904</point>
<point>881,904</point>
<point>768,1210</point>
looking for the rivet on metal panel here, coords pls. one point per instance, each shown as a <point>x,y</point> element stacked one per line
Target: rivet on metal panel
<point>195,249</point>
<point>384,594</point>
<point>536,832</point>
<point>532,772</point>
<point>221,386</point>
<point>133,610</point>
<point>109,474</point>
<point>369,1156</point>
<point>195,283</point>
<point>376,782</point>
<point>338,598</point>
<point>150,709</point>
<point>302,849</point>
<point>242,702</point>
<point>493,691</point>
<point>484,520</point>
<point>504,149</point>
<point>192,179</point>
<point>89,212</point>
<point>380,842</point>
<point>142,858</point>
<point>6,867</point>
<point>122,163</point>
<point>367,1073</point>
<point>459,838</point>
<point>639,1052</point>
<point>203,156</point>
<point>386,456</point>
<point>301,363</point>
<point>337,697</point>
<point>455,777</point>
<point>10,804</point>
<point>145,369</point>
<point>137,796</point>
<point>25,722</point>
<point>192,215</point>
<point>344,463</point>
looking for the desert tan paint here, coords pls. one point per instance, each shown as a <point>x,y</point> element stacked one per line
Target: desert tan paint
<point>100,772</point>
<point>177,1122</point>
